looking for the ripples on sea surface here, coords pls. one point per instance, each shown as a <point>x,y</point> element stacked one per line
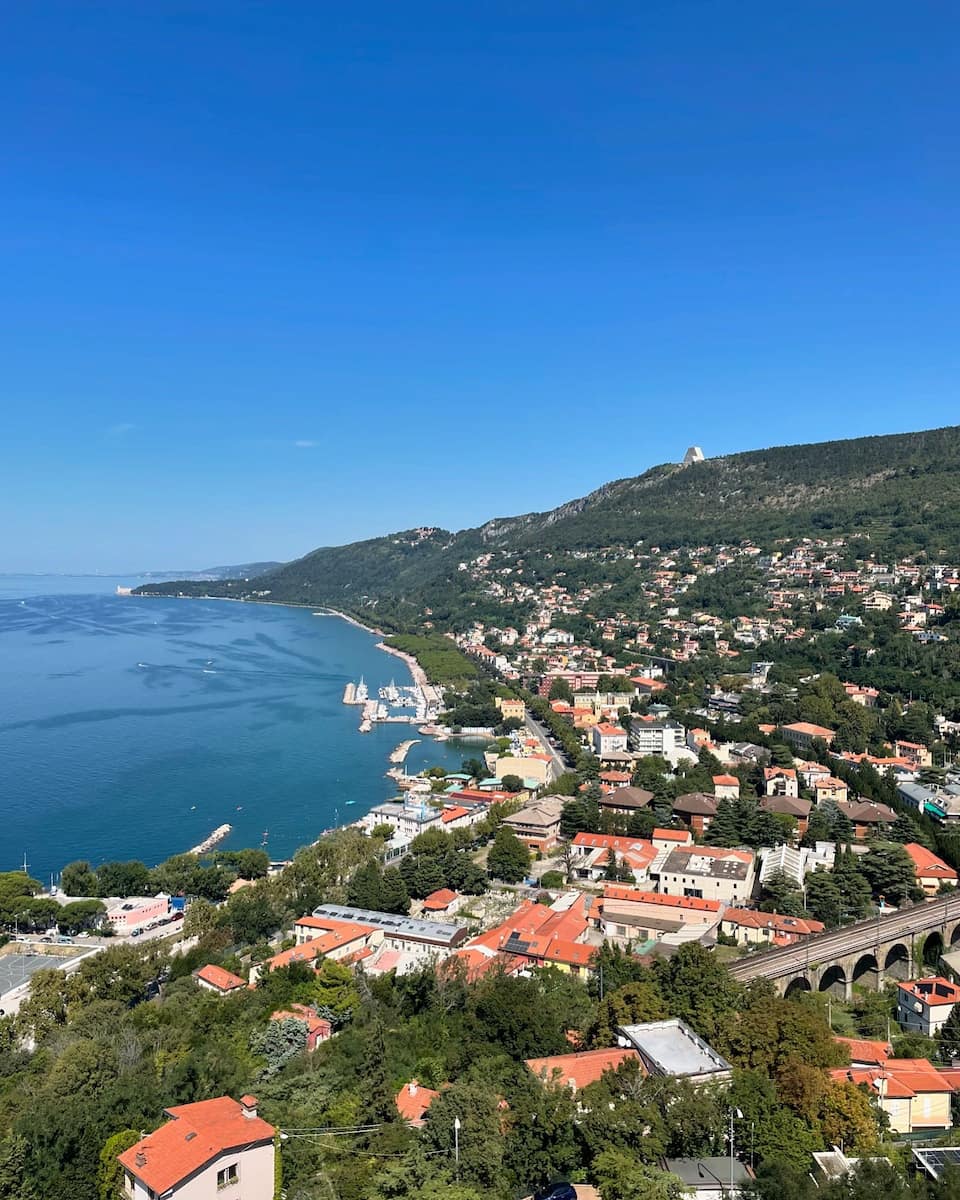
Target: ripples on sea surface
<point>131,728</point>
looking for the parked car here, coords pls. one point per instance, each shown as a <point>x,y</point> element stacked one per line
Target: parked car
<point>557,1191</point>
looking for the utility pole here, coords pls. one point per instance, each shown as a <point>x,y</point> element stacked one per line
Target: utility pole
<point>456,1145</point>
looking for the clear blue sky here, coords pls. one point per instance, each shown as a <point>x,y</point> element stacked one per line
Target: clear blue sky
<point>277,275</point>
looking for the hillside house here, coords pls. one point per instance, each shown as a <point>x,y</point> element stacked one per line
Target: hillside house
<point>202,1150</point>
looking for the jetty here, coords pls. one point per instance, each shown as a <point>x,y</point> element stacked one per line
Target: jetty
<point>401,752</point>
<point>214,839</point>
<point>349,693</point>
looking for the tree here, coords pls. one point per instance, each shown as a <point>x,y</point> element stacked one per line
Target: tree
<point>697,988</point>
<point>110,1181</point>
<point>890,873</point>
<point>509,858</point>
<point>627,1005</point>
<point>79,879</point>
<point>123,879</point>
<point>560,690</point>
<point>622,1177</point>
<point>280,1042</point>
<point>782,894</point>
<point>824,898</point>
<point>200,919</point>
<point>80,915</point>
<point>511,783</point>
<point>724,829</point>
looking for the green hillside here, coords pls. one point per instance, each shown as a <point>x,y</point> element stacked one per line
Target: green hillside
<point>902,492</point>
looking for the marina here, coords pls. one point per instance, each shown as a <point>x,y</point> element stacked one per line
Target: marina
<point>411,704</point>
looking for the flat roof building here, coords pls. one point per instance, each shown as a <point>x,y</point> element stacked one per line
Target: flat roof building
<point>672,1048</point>
<point>404,931</point>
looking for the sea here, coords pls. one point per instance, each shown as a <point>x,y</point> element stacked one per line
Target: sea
<point>131,728</point>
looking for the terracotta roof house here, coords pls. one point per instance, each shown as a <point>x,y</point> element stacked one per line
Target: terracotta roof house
<point>443,900</point>
<point>802,734</point>
<point>911,1091</point>
<point>203,1149</point>
<point>577,1071</point>
<point>413,1102</point>
<point>753,928</point>
<point>865,1052</point>
<point>215,979</point>
<point>726,787</point>
<point>930,870</point>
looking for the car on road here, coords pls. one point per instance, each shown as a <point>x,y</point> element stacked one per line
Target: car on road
<point>557,1191</point>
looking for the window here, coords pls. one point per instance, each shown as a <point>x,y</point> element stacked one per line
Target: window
<point>228,1176</point>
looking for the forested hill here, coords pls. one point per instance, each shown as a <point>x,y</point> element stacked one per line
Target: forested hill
<point>901,491</point>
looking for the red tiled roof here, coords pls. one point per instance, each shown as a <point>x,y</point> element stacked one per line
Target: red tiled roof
<point>439,900</point>
<point>224,981</point>
<point>413,1100</point>
<point>753,919</point>
<point>579,1070</point>
<point>726,781</point>
<point>865,1050</point>
<point>671,835</point>
<point>197,1135</point>
<point>926,864</point>
<point>451,814</point>
<point>898,1078</point>
<point>615,892</point>
<point>933,989</point>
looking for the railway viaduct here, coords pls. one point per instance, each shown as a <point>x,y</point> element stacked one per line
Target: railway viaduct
<point>899,946</point>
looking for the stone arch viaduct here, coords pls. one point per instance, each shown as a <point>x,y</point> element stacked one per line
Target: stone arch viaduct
<point>899,946</point>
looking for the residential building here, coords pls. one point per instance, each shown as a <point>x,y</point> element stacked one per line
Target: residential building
<point>828,787</point>
<point>752,928</point>
<point>726,787</point>
<point>212,978</point>
<point>671,1048</point>
<point>802,734</point>
<point>707,873</point>
<point>534,767</point>
<point>931,871</point>
<point>421,940</point>
<point>911,1091</point>
<point>592,853</point>
<point>203,1150</point>
<point>510,708</point>
<point>625,800</point>
<point>577,1071</point>
<point>923,1005</point>
<point>408,817</point>
<point>608,739</point>
<point>787,806</point>
<point>781,781</point>
<point>537,825</point>
<point>915,753</point>
<point>413,1102</point>
<point>696,810</point>
<point>660,738</point>
<point>442,902</point>
<point>627,916</point>
<point>867,817</point>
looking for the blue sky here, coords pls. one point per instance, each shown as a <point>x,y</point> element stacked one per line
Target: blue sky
<point>278,275</point>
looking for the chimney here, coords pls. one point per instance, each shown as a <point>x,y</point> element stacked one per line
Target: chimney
<point>413,1087</point>
<point>141,1159</point>
<point>248,1106</point>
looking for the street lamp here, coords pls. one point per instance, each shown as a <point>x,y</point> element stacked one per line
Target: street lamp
<point>734,1113</point>
<point>456,1145</point>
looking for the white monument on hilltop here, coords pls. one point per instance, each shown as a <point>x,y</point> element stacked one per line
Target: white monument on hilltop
<point>693,455</point>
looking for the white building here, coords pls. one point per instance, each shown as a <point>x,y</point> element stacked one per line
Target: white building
<point>923,1005</point>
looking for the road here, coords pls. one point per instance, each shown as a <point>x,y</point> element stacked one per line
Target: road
<point>542,734</point>
<point>853,939</point>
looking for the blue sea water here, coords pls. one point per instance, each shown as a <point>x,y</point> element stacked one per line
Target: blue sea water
<point>133,727</point>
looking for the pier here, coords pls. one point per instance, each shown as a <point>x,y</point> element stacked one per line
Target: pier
<point>401,752</point>
<point>214,839</point>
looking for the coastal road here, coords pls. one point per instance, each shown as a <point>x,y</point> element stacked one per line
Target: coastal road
<point>542,734</point>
